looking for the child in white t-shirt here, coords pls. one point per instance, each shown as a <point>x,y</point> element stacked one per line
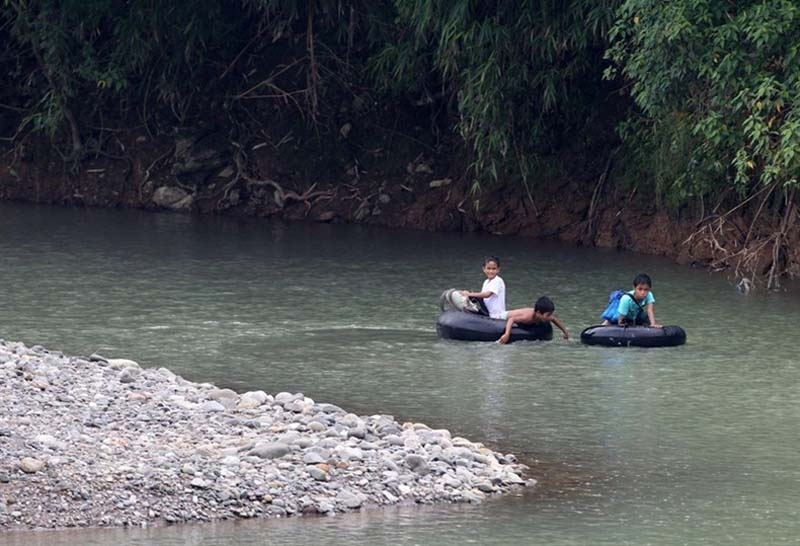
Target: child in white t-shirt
<point>493,292</point>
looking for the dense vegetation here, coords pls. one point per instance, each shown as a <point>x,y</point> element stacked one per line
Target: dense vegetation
<point>145,56</point>
<point>708,87</point>
<point>717,84</point>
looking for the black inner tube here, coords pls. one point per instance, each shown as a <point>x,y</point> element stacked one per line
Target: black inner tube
<point>633,336</point>
<point>474,327</point>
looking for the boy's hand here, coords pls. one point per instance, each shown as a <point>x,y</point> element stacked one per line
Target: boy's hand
<point>656,325</point>
<point>566,334</point>
<point>504,338</point>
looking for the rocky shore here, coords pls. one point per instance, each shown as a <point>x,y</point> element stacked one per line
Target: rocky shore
<point>91,441</point>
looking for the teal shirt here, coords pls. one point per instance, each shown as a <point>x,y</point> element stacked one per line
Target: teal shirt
<point>629,309</point>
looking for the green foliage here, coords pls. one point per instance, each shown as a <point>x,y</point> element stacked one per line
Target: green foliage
<point>523,73</point>
<point>719,83</point>
<point>105,48</point>
<point>97,53</point>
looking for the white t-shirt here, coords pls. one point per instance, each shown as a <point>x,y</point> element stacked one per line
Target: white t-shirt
<point>496,303</point>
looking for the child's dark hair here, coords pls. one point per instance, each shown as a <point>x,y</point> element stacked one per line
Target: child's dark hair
<point>642,278</point>
<point>494,259</point>
<point>544,305</point>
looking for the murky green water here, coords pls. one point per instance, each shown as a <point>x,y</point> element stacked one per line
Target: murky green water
<point>690,445</point>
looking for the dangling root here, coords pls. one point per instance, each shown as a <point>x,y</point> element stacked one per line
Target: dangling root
<point>773,280</point>
<point>281,196</point>
<point>747,256</point>
<point>591,215</point>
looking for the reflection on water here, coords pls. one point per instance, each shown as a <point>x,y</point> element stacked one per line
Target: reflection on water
<point>693,444</point>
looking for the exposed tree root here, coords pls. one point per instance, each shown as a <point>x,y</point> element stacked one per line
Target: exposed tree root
<point>149,170</point>
<point>591,215</point>
<point>281,196</point>
<point>778,249</point>
<point>753,259</point>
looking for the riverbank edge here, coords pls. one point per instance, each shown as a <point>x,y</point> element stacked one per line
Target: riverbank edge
<point>100,442</point>
<point>577,202</point>
<point>714,244</point>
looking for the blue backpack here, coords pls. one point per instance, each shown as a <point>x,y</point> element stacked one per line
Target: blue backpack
<point>611,312</point>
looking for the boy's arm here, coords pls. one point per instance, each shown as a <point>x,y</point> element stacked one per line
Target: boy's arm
<point>622,310</point>
<point>513,316</point>
<point>481,295</point>
<point>561,326</point>
<point>489,289</point>
<point>507,334</point>
<point>651,315</point>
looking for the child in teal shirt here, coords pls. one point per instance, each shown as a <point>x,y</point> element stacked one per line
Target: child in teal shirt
<point>636,307</point>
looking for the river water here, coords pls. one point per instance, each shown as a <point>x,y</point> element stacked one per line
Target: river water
<point>689,445</point>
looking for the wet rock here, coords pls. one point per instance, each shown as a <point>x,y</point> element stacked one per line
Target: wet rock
<point>270,450</point>
<point>29,465</point>
<point>222,394</point>
<point>313,458</point>
<point>172,198</point>
<point>212,406</point>
<point>318,473</point>
<point>122,363</point>
<point>350,499</point>
<point>326,216</point>
<point>129,375</point>
<point>200,153</point>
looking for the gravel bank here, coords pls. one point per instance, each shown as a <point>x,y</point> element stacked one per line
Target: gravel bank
<point>89,441</point>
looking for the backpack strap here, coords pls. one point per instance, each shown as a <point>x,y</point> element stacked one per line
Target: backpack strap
<point>636,303</point>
